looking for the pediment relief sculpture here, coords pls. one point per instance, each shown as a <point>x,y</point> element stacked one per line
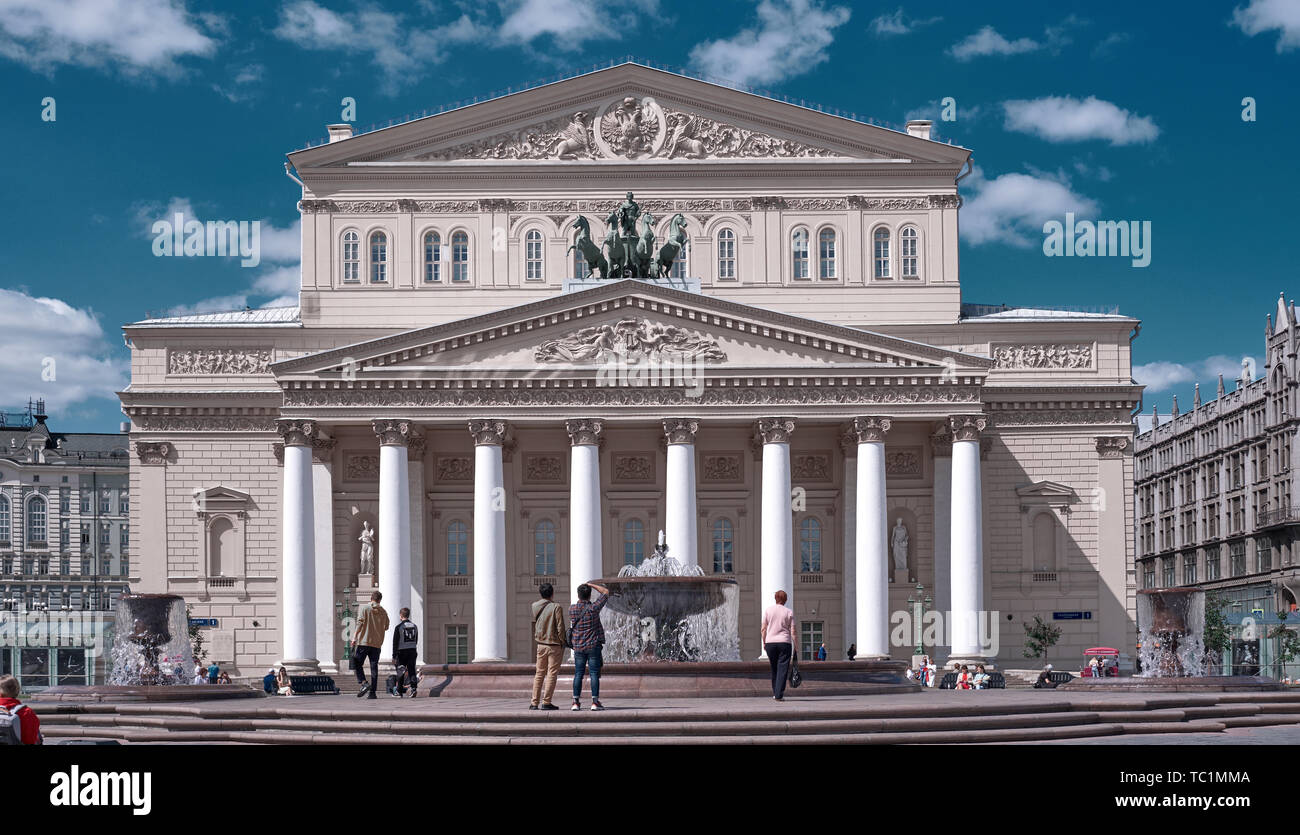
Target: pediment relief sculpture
<point>630,340</point>
<point>629,128</point>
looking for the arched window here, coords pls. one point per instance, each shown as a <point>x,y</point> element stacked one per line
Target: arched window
<point>544,548</point>
<point>1044,542</point>
<point>351,257</point>
<point>580,268</point>
<point>221,548</point>
<point>432,257</point>
<point>723,546</point>
<point>679,266</point>
<point>36,514</point>
<point>810,546</point>
<point>457,549</point>
<point>910,261</point>
<point>460,257</point>
<point>726,255</point>
<point>633,542</point>
<point>5,530</point>
<point>881,248</point>
<point>799,253</point>
<point>826,253</point>
<point>378,258</point>
<point>533,255</point>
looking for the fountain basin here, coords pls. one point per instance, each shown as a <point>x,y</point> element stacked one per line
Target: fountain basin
<point>1175,684</point>
<point>671,618</point>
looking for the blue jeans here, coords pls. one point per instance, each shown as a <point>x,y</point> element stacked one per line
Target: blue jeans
<point>582,662</point>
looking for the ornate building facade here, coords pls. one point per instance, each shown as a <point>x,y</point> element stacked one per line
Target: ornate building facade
<point>791,379</point>
<point>1213,493</point>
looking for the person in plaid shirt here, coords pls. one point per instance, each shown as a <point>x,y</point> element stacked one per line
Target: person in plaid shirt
<point>587,636</point>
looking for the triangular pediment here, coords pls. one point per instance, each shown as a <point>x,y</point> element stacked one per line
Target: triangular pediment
<point>629,113</point>
<point>632,322</point>
<point>1046,492</point>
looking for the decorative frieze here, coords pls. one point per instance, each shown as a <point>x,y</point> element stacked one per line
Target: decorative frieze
<point>814,467</point>
<point>1113,446</point>
<point>202,423</point>
<point>364,467</point>
<point>905,462</point>
<point>544,469</point>
<point>392,432</point>
<point>1052,357</point>
<point>296,432</point>
<point>631,340</point>
<point>721,468</point>
<point>1063,417</point>
<point>584,430</point>
<point>219,361</point>
<point>635,467</point>
<point>564,209</point>
<point>488,432</point>
<point>454,468</point>
<point>967,427</point>
<point>152,454</point>
<point>774,430</point>
<point>871,429</point>
<point>680,430</point>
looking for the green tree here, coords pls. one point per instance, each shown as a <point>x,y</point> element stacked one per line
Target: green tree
<point>1039,637</point>
<point>1288,646</point>
<point>196,634</point>
<point>1217,634</point>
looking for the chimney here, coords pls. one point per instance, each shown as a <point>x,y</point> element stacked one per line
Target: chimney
<point>339,132</point>
<point>125,427</point>
<point>920,128</point>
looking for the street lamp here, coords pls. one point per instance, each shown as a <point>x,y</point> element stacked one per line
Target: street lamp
<point>919,605</point>
<point>343,609</point>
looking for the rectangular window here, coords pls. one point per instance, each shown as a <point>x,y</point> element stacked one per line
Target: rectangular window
<point>1237,559</point>
<point>124,505</point>
<point>85,503</point>
<point>65,535</point>
<point>1167,572</point>
<point>105,502</point>
<point>123,566</point>
<point>65,566</point>
<point>1189,569</point>
<point>810,638</point>
<point>122,539</point>
<point>1149,574</point>
<point>65,501</point>
<point>105,566</point>
<point>458,644</point>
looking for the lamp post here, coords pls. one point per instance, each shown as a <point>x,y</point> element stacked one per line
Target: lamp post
<point>343,609</point>
<point>919,605</point>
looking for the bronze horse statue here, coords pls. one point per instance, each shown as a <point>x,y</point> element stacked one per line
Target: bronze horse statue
<point>673,246</point>
<point>645,246</point>
<point>590,252</point>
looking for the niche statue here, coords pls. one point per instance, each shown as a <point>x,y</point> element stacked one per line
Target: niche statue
<point>367,540</point>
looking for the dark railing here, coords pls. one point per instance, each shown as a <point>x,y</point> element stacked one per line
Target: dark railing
<point>1281,516</point>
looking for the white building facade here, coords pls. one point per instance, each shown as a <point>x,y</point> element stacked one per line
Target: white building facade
<point>801,385</point>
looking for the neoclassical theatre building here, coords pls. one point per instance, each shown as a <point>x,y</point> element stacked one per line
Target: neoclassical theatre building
<point>460,409</point>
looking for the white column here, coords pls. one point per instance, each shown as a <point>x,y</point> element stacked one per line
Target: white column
<point>415,480</point>
<point>393,555</point>
<point>489,541</point>
<point>967,538</point>
<point>680,517</point>
<point>872,552</point>
<point>941,447</point>
<point>322,481</point>
<point>776,545</point>
<point>585,552</point>
<point>849,446</point>
<point>299,550</point>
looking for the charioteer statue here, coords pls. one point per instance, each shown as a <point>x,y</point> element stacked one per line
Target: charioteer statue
<point>627,252</point>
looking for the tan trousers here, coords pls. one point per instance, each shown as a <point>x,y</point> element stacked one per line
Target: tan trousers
<point>548,668</point>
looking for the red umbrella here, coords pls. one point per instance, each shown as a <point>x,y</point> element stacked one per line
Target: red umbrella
<point>1101,651</point>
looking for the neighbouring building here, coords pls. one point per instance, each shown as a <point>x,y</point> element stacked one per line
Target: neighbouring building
<point>802,401</point>
<point>65,551</point>
<point>1213,493</point>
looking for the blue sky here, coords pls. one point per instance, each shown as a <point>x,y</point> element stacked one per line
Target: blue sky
<point>184,105</point>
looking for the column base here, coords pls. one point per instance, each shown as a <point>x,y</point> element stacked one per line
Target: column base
<point>489,660</point>
<point>301,666</point>
<point>870,656</point>
<point>329,668</point>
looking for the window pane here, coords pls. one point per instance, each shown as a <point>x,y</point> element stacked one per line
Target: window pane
<point>351,260</point>
<point>533,256</point>
<point>882,253</point>
<point>826,253</point>
<point>457,548</point>
<point>722,547</point>
<point>544,548</point>
<point>633,542</point>
<point>810,546</point>
<point>800,251</point>
<point>432,257</point>
<point>378,258</point>
<point>908,253</point>
<point>460,257</point>
<point>726,254</point>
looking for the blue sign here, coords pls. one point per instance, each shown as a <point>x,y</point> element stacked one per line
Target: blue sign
<point>203,621</point>
<point>1071,615</point>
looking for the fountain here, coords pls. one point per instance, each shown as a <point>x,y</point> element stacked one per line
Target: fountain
<point>1172,655</point>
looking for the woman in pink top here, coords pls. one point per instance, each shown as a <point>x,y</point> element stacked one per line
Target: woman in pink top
<point>778,642</point>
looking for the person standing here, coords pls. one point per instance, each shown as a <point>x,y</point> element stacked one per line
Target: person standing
<point>214,672</point>
<point>778,642</point>
<point>23,725</point>
<point>587,637</point>
<point>853,650</point>
<point>550,632</point>
<point>821,652</point>
<point>406,642</point>
<point>372,625</point>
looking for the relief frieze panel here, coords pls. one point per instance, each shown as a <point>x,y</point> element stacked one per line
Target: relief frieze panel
<point>1044,357</point>
<point>219,361</point>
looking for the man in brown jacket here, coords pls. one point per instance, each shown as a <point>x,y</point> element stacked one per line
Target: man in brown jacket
<point>549,630</point>
<point>372,623</point>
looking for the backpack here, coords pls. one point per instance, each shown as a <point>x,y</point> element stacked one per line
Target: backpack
<point>11,725</point>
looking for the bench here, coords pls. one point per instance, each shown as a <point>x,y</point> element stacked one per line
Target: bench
<point>306,685</point>
<point>1058,677</point>
<point>996,681</point>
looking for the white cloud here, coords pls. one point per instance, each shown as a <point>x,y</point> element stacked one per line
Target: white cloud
<point>245,84</point>
<point>1067,119</point>
<point>1261,16</point>
<point>135,36</point>
<point>987,41</point>
<point>571,22</point>
<point>1162,376</point>
<point>898,23</point>
<point>1011,209</point>
<point>46,338</point>
<point>791,38</point>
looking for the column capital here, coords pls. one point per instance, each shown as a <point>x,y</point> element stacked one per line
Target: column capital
<point>393,431</point>
<point>871,429</point>
<point>681,430</point>
<point>941,440</point>
<point>967,427</point>
<point>776,430</point>
<point>322,449</point>
<point>296,432</point>
<point>584,430</point>
<point>415,446</point>
<point>488,432</point>
<point>153,454</point>
<point>1113,446</point>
